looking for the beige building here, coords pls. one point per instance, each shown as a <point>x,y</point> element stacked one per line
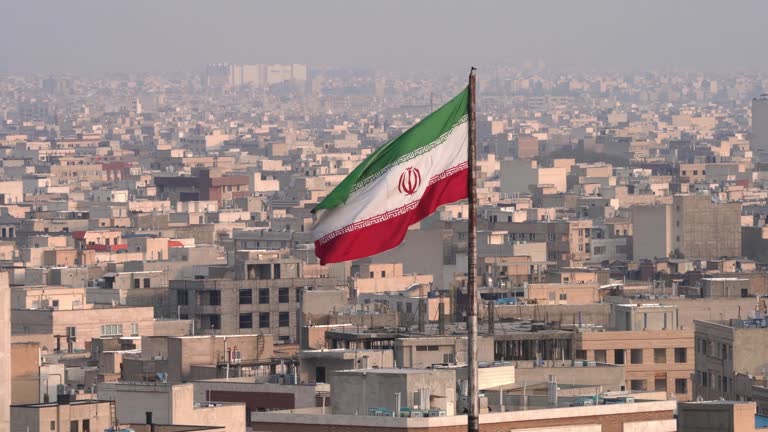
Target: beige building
<point>518,175</point>
<point>725,349</point>
<point>73,329</point>
<point>25,373</point>
<point>74,416</point>
<point>652,360</point>
<point>170,404</point>
<point>47,297</point>
<point>716,416</point>
<point>423,352</point>
<point>562,293</point>
<point>694,226</point>
<point>568,242</point>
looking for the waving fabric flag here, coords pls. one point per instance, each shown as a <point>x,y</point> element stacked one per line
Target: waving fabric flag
<point>398,185</point>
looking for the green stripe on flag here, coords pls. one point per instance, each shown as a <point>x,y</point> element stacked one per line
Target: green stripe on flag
<point>422,134</point>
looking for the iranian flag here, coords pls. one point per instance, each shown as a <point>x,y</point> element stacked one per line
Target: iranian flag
<point>398,185</point>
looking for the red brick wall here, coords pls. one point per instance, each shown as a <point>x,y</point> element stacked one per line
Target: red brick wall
<point>255,400</point>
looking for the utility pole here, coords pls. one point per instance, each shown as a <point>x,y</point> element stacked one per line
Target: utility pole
<point>473,419</point>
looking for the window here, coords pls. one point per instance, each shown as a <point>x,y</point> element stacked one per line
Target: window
<point>146,282</point>
<point>725,384</point>
<point>532,236</point>
<point>383,273</point>
<point>264,320</point>
<point>214,298</point>
<point>600,356</point>
<point>283,295</point>
<point>681,386</point>
<point>563,296</point>
<point>53,425</point>
<point>137,283</point>
<point>704,378</point>
<point>284,319</point>
<point>449,358</point>
<point>86,425</point>
<point>427,348</point>
<point>73,426</point>
<point>618,356</point>
<point>637,385</point>
<point>660,384</point>
<point>636,356</point>
<point>581,355</point>
<point>408,308</point>
<point>246,321</point>
<point>246,296</point>
<point>215,321</point>
<point>134,329</point>
<point>681,355</point>
<point>112,330</point>
<point>371,275</point>
<point>71,332</point>
<point>550,237</point>
<point>182,297</point>
<point>659,355</point>
<point>263,295</point>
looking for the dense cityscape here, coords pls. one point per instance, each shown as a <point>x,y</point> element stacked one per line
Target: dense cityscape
<point>164,266</point>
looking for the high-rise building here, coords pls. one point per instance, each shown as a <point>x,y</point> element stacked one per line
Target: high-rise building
<point>694,227</point>
<point>224,74</point>
<point>759,141</point>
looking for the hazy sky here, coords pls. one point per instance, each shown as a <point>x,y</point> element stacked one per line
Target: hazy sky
<point>173,35</point>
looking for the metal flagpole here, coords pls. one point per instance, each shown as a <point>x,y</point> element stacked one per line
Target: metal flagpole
<point>473,420</point>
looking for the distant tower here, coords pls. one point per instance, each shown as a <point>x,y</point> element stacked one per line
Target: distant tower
<point>759,141</point>
<point>137,106</point>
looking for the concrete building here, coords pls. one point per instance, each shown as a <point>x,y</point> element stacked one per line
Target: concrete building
<point>653,360</point>
<point>68,330</point>
<point>425,351</point>
<point>80,416</point>
<point>518,175</point>
<point>653,225</point>
<point>705,229</point>
<point>354,392</point>
<point>716,416</point>
<point>651,416</point>
<point>259,306</point>
<point>568,241</point>
<point>759,139</point>
<point>641,317</point>
<point>315,366</point>
<point>694,226</point>
<point>170,404</point>
<point>724,349</point>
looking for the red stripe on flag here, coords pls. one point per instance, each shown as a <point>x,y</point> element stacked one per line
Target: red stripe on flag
<point>386,235</point>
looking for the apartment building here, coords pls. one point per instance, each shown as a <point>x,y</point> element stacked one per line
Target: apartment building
<point>72,416</point>
<point>170,404</point>
<point>568,241</point>
<point>253,306</point>
<point>725,349</point>
<point>695,226</point>
<point>653,360</point>
<point>68,330</point>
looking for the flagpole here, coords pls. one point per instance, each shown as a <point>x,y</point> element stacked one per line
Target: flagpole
<point>473,420</point>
